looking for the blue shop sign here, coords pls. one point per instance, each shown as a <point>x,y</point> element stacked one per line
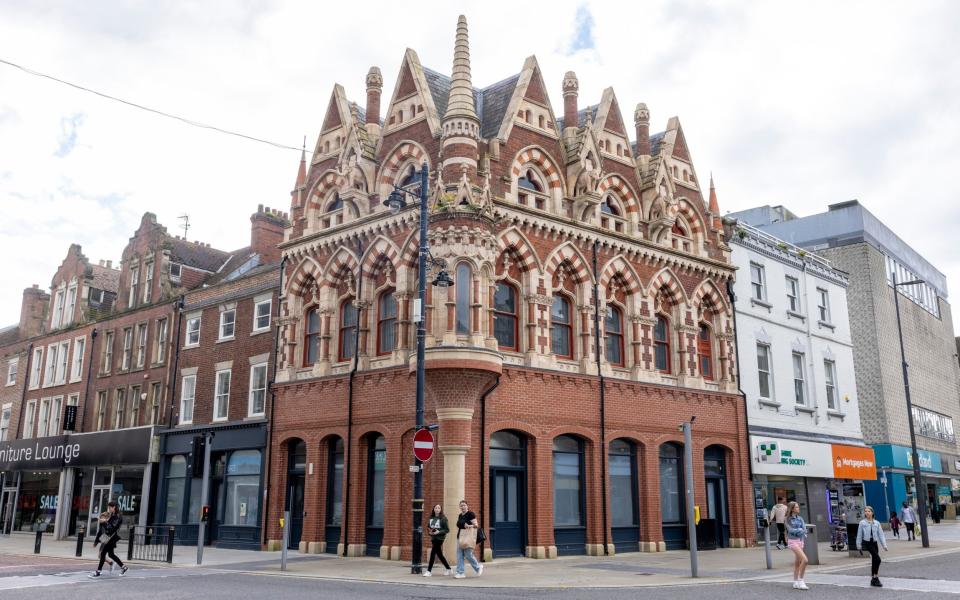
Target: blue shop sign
<point>900,457</point>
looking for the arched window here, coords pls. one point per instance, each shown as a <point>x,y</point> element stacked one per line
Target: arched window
<point>540,121</point>
<point>609,206</point>
<point>386,323</point>
<point>530,181</point>
<point>376,492</point>
<point>613,328</point>
<point>622,461</point>
<point>463,284</point>
<point>678,229</point>
<point>505,321</point>
<point>348,329</point>
<point>506,449</point>
<point>335,483</point>
<point>335,204</point>
<point>705,352</point>
<point>561,327</point>
<point>526,116</point>
<point>311,337</point>
<point>298,456</point>
<point>411,177</point>
<point>671,486</point>
<point>661,344</point>
<point>400,117</point>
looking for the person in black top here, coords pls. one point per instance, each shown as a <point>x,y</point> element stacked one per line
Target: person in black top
<point>439,528</point>
<point>110,528</point>
<point>466,520</point>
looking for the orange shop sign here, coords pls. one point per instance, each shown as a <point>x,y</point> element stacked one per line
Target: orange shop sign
<point>853,462</point>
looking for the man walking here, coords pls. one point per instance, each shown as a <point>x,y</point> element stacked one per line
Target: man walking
<point>111,529</point>
<point>778,514</point>
<point>909,520</point>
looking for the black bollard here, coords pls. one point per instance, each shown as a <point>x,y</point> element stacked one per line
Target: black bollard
<point>81,531</point>
<point>36,544</point>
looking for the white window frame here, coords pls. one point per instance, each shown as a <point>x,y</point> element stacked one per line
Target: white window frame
<point>36,368</point>
<point>141,345</point>
<point>134,282</point>
<point>29,419</point>
<point>55,422</point>
<point>156,390</point>
<point>221,397</point>
<point>187,401</point>
<point>133,414</point>
<point>74,400</point>
<point>50,371</point>
<point>823,305</point>
<point>760,285</point>
<point>6,415</point>
<point>801,399</point>
<point>12,366</point>
<point>793,294</point>
<point>119,406</point>
<point>43,423</point>
<point>830,384</point>
<point>257,317</point>
<point>103,398</point>
<point>163,329</point>
<point>71,304</point>
<point>62,362</point>
<point>192,337</point>
<point>106,364</point>
<point>56,319</point>
<point>147,282</point>
<point>126,357</point>
<point>263,390</point>
<point>232,324</point>
<point>79,349</point>
<point>768,372</point>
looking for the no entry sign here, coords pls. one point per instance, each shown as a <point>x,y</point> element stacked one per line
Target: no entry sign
<point>423,445</point>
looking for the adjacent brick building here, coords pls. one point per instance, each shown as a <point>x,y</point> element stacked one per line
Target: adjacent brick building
<point>529,211</point>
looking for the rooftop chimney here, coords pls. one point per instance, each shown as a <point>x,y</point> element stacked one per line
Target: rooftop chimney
<point>374,89</point>
<point>32,309</point>
<point>641,118</point>
<point>266,232</point>
<point>571,87</point>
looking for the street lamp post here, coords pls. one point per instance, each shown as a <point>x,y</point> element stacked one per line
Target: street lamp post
<point>918,482</point>
<point>395,202</point>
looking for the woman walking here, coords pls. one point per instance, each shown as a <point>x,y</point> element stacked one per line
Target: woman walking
<point>796,533</point>
<point>909,520</point>
<point>466,521</point>
<point>870,538</point>
<point>439,528</point>
<point>111,529</point>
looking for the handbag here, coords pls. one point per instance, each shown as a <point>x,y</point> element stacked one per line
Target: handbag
<point>467,538</point>
<point>481,536</point>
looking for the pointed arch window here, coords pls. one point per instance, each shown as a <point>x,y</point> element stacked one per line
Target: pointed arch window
<point>335,204</point>
<point>561,327</point>
<point>705,351</point>
<point>311,337</point>
<point>609,207</point>
<point>613,329</point>
<point>463,283</point>
<point>505,317</point>
<point>386,323</point>
<point>531,190</point>
<point>530,181</point>
<point>661,344</point>
<point>411,177</point>
<point>348,330</point>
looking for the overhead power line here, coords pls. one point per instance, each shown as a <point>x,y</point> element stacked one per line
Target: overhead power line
<point>155,111</point>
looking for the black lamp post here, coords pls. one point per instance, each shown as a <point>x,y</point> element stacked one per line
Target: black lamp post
<point>396,201</point>
<point>918,482</point>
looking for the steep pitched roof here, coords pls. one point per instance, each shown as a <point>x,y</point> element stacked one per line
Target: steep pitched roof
<point>655,141</point>
<point>581,116</point>
<point>193,254</point>
<point>105,279</point>
<point>492,107</point>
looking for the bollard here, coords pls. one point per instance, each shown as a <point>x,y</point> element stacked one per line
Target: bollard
<point>170,535</point>
<point>766,545</point>
<point>131,533</point>
<point>81,531</point>
<point>36,544</point>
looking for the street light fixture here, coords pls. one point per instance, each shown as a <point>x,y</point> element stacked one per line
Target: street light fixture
<point>918,481</point>
<point>396,201</point>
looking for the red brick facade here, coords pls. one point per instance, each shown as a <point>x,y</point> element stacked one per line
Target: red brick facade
<point>523,208</point>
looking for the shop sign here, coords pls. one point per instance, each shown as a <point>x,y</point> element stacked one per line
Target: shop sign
<point>901,457</point>
<point>125,446</point>
<point>853,462</point>
<point>775,456</point>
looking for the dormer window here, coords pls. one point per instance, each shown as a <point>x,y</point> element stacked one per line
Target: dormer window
<point>175,271</point>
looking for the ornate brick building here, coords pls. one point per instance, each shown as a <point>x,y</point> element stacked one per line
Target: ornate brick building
<point>530,211</point>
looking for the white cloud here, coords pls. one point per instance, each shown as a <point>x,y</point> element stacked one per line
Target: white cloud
<point>801,104</point>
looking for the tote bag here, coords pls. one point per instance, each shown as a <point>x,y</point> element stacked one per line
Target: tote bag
<point>468,538</point>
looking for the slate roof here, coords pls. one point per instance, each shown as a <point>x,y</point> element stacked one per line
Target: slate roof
<point>655,141</point>
<point>105,279</point>
<point>9,334</point>
<point>238,260</point>
<point>197,255</point>
<point>581,116</point>
<point>491,102</point>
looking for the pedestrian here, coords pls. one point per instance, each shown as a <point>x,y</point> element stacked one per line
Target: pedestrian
<point>796,533</point>
<point>870,538</point>
<point>439,528</point>
<point>111,529</point>
<point>96,540</point>
<point>778,514</point>
<point>466,527</point>
<point>895,525</point>
<point>909,520</point>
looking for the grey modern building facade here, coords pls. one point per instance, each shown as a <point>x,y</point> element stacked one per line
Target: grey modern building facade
<point>857,242</point>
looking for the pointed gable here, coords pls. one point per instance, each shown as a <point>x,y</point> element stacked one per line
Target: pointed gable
<point>609,128</point>
<point>405,83</point>
<point>332,118</point>
<point>680,149</point>
<point>529,104</point>
<point>414,98</point>
<point>614,120</point>
<point>535,89</point>
<point>336,122</point>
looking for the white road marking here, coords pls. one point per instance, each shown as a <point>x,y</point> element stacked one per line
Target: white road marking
<point>891,583</point>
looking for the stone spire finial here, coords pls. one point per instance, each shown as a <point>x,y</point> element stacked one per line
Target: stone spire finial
<point>460,102</point>
<point>641,114</point>
<point>570,88</point>
<point>374,78</point>
<point>714,205</point>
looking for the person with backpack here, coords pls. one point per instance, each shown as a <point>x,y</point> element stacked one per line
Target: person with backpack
<point>467,528</point>
<point>110,528</point>
<point>439,528</point>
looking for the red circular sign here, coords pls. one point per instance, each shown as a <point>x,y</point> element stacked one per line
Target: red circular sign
<point>423,445</point>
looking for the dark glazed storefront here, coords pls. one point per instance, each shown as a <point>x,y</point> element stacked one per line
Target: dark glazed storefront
<point>236,485</point>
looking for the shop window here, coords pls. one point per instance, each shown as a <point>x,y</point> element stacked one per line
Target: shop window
<point>623,484</point>
<point>463,283</point>
<point>386,323</point>
<point>311,340</point>
<point>613,330</point>
<point>561,327</point>
<point>568,486</point>
<point>671,483</point>
<point>176,487</point>
<point>335,483</point>
<point>348,330</point>
<point>376,474</point>
<point>505,317</point>
<point>661,344</point>
<point>242,502</point>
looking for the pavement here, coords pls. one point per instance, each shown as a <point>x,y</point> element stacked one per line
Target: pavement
<point>56,564</point>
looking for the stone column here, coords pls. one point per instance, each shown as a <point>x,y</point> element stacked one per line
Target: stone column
<point>453,445</point>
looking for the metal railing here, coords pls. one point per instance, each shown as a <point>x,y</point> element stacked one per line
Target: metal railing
<point>151,543</point>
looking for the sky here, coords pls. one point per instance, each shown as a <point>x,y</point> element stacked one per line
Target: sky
<point>802,104</point>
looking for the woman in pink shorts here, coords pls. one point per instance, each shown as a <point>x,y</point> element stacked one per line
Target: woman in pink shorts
<point>796,534</point>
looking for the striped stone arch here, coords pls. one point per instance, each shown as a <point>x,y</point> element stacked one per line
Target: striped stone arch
<point>403,153</point>
<point>343,259</point>
<point>622,190</point>
<point>533,155</point>
<point>306,271</point>
<point>410,251</point>
<point>618,265</point>
<point>667,281</point>
<point>568,253</point>
<point>512,239</point>
<point>381,247</point>
<point>708,292</point>
<point>692,217</point>
<point>331,180</point>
